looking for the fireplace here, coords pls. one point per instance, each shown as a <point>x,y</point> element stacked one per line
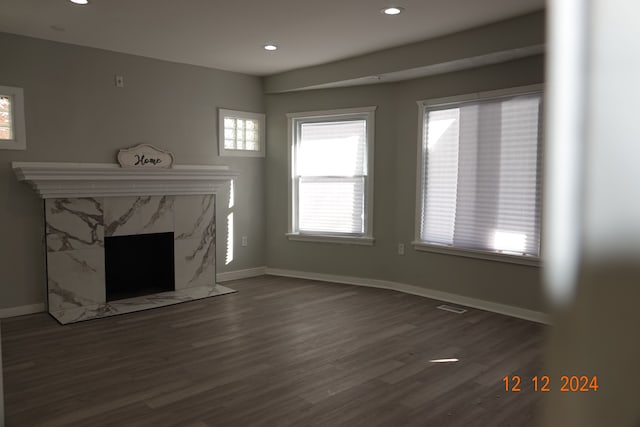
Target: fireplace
<point>120,240</point>
<point>138,265</point>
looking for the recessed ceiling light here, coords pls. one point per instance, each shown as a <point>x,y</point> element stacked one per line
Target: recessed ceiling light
<point>79,1</point>
<point>392,10</point>
<point>270,47</point>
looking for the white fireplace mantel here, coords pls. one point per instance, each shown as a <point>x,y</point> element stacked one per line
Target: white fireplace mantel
<point>73,180</point>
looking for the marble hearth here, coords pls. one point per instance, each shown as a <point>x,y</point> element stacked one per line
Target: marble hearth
<point>86,204</point>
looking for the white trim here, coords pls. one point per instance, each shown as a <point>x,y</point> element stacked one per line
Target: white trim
<point>337,112</point>
<point>507,310</point>
<point>290,205</point>
<point>260,117</point>
<point>419,172</point>
<point>371,143</point>
<point>60,180</point>
<point>471,253</point>
<point>482,96</point>
<point>21,310</point>
<point>326,115</point>
<point>19,141</point>
<point>241,274</point>
<point>320,238</point>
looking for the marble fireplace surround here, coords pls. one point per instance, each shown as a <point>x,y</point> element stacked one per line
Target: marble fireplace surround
<point>84,203</point>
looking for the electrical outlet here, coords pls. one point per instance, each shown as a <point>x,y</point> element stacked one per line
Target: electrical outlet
<point>244,240</point>
<point>119,81</point>
<point>400,248</point>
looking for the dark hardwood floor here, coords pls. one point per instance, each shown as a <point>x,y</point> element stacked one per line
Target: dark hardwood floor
<point>279,352</point>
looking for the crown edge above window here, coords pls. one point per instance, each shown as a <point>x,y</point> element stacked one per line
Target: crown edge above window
<point>482,96</point>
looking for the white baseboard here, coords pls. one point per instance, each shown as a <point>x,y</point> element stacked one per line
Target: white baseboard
<point>241,274</point>
<point>508,310</point>
<point>21,310</point>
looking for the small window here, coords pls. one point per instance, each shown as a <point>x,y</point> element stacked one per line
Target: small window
<point>12,130</point>
<point>332,179</point>
<point>479,175</point>
<point>241,133</point>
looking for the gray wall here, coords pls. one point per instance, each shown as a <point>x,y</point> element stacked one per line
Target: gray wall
<point>75,114</point>
<point>394,190</point>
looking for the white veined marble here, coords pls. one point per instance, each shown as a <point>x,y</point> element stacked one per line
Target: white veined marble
<point>75,278</point>
<point>76,233</point>
<point>130,305</point>
<point>74,224</point>
<point>125,216</point>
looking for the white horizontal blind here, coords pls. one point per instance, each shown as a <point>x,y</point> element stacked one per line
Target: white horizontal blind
<point>6,119</point>
<point>331,175</point>
<point>241,134</point>
<point>481,181</point>
<point>442,180</point>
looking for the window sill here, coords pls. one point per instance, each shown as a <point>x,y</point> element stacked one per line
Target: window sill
<point>470,253</point>
<point>241,153</point>
<point>324,238</point>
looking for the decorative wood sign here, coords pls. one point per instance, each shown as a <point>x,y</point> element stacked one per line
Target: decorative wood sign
<point>145,156</point>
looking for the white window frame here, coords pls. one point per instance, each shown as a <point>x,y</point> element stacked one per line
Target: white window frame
<point>420,245</point>
<point>19,141</point>
<point>236,114</point>
<point>366,113</point>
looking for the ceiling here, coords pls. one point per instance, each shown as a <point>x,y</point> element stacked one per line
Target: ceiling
<point>230,35</point>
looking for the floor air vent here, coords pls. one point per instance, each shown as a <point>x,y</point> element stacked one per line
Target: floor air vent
<point>456,310</point>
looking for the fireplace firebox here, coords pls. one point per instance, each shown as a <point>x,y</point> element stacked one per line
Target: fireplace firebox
<point>137,265</point>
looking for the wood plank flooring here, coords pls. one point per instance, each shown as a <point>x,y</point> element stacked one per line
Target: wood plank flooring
<point>279,352</point>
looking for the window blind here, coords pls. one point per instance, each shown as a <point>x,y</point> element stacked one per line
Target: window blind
<point>331,174</point>
<point>481,180</point>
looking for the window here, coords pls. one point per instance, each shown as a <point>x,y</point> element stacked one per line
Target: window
<point>230,233</point>
<point>479,171</point>
<point>12,129</point>
<point>331,188</point>
<point>241,133</point>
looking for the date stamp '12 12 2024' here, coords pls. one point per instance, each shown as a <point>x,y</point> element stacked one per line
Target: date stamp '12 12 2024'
<point>542,383</point>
